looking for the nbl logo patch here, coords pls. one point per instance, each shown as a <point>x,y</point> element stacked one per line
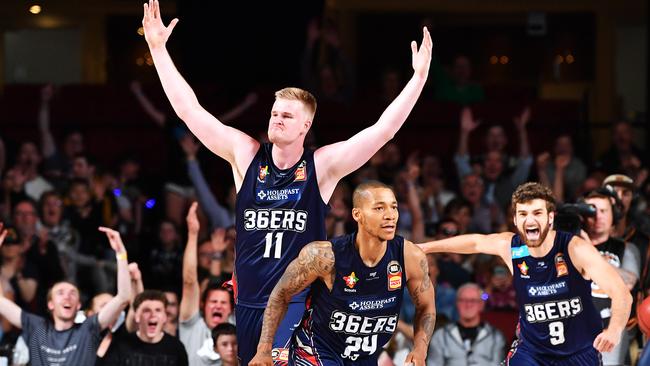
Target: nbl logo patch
<point>560,265</point>
<point>394,271</point>
<point>301,172</point>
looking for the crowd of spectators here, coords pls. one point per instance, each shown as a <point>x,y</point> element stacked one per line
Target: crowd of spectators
<point>175,310</point>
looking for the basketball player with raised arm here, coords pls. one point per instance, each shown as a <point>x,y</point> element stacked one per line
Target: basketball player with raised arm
<point>552,273</point>
<point>357,282</point>
<point>283,189</point>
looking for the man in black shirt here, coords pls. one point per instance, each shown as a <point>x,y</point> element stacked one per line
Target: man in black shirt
<point>149,345</point>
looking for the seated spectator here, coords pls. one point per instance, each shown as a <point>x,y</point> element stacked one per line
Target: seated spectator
<point>171,326</point>
<point>451,265</point>
<point>166,258</point>
<point>500,291</point>
<point>435,194</point>
<point>60,338</point>
<point>40,252</point>
<point>486,216</point>
<point>468,341</point>
<point>623,156</point>
<point>461,211</point>
<point>149,345</point>
<point>457,85</point>
<point>28,163</point>
<point>225,343</point>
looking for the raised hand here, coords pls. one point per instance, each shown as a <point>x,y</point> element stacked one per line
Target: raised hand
<point>193,225</point>
<point>467,121</point>
<point>422,58</point>
<point>155,32</point>
<point>114,239</point>
<point>218,240</point>
<point>522,120</point>
<point>562,161</point>
<point>190,146</point>
<point>134,272</point>
<point>543,160</point>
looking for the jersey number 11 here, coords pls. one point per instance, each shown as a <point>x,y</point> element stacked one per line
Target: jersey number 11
<point>269,243</point>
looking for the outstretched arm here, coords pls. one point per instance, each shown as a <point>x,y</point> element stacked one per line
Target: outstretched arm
<point>494,244</point>
<point>191,291</point>
<point>8,309</point>
<point>217,214</point>
<point>48,147</point>
<point>154,113</point>
<point>316,260</point>
<point>137,287</point>
<point>230,144</point>
<point>592,266</point>
<point>340,159</point>
<point>112,309</point>
<point>421,290</point>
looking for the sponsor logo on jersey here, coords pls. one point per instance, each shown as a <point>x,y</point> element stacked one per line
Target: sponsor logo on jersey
<point>286,194</point>
<point>548,290</point>
<point>372,276</point>
<point>560,265</point>
<point>523,268</point>
<point>394,270</point>
<point>275,219</point>
<point>355,324</point>
<point>366,305</point>
<point>519,252</point>
<point>301,172</point>
<point>263,172</point>
<point>280,354</point>
<point>552,310</point>
<point>351,280</point>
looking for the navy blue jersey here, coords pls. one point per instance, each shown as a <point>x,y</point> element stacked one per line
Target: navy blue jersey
<point>556,313</point>
<point>278,213</point>
<point>354,321</point>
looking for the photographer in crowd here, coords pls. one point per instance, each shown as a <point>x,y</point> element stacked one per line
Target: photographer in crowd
<point>622,256</point>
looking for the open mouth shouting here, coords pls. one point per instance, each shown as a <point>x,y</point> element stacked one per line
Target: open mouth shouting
<point>533,233</point>
<point>152,326</point>
<point>217,316</point>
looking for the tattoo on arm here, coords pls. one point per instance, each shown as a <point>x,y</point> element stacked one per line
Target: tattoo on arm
<point>425,322</point>
<point>315,260</point>
<point>426,281</point>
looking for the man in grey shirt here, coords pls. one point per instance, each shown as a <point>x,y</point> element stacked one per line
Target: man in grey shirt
<point>61,342</point>
<point>216,302</point>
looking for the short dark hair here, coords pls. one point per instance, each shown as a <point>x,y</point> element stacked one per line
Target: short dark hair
<point>357,195</point>
<point>531,191</point>
<point>223,329</point>
<point>215,286</point>
<point>153,295</point>
<point>456,205</point>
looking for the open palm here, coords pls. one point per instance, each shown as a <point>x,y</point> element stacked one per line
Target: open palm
<point>155,32</point>
<point>422,57</point>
